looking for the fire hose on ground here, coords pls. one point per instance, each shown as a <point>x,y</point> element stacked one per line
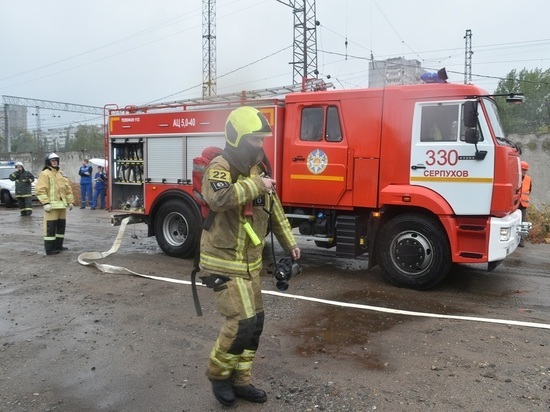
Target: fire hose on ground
<point>90,258</point>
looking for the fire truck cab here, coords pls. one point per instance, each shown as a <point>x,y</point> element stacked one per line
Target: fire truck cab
<point>418,177</point>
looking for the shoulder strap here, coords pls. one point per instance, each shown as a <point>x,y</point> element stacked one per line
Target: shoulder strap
<point>265,166</point>
<point>196,269</point>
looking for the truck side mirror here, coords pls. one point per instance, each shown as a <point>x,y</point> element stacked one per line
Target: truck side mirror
<point>470,114</point>
<point>471,136</point>
<point>515,98</point>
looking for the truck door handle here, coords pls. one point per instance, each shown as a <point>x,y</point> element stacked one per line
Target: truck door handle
<point>298,159</point>
<point>414,167</point>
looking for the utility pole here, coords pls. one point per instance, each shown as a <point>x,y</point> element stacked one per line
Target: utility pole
<point>7,128</point>
<point>305,40</point>
<point>208,48</point>
<point>38,128</point>
<point>468,58</point>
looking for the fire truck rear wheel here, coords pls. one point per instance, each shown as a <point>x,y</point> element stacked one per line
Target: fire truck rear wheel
<point>414,252</point>
<point>177,229</point>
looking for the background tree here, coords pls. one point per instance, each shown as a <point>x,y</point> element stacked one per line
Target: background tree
<point>86,138</point>
<point>533,115</point>
<point>23,141</point>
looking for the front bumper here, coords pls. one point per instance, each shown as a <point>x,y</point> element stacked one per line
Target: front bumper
<point>505,234</point>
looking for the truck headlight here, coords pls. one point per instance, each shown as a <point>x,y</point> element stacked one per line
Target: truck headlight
<point>505,234</point>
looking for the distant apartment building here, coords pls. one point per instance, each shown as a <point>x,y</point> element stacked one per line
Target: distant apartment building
<point>56,139</point>
<point>16,120</point>
<point>395,71</point>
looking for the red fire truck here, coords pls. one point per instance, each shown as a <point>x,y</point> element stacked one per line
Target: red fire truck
<point>418,177</point>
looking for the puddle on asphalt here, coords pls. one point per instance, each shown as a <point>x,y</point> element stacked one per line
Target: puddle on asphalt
<point>346,333</point>
<point>343,333</point>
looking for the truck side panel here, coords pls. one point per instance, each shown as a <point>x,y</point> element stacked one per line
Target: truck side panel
<point>395,148</point>
<point>362,123</point>
<point>365,180</point>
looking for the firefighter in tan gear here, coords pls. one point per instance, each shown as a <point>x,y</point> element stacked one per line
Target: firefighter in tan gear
<point>526,186</point>
<point>54,191</point>
<point>241,195</point>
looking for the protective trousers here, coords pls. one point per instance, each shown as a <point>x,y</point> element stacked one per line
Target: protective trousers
<point>54,229</point>
<point>234,351</point>
<point>25,205</point>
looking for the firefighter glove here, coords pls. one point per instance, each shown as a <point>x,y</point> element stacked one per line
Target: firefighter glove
<point>71,206</point>
<point>47,208</point>
<point>214,281</point>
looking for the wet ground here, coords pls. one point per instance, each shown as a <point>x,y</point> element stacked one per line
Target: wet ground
<point>75,339</point>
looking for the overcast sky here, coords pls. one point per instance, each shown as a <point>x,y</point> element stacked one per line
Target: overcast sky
<point>96,52</point>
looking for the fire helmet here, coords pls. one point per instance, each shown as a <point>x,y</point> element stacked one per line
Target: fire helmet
<point>245,121</point>
<point>524,165</point>
<point>19,164</point>
<point>50,157</point>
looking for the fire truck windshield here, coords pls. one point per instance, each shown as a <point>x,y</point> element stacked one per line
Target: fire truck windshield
<point>494,119</point>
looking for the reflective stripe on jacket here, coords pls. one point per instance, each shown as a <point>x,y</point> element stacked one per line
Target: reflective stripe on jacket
<point>54,188</point>
<point>226,248</point>
<point>525,191</point>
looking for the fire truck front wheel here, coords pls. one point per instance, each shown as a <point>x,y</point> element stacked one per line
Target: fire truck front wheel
<point>177,229</point>
<point>414,252</point>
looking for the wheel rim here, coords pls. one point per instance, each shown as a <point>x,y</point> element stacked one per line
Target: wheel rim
<point>411,252</point>
<point>175,229</point>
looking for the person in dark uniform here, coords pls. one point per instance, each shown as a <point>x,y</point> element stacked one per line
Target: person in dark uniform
<point>23,188</point>
<point>85,173</point>
<point>99,189</point>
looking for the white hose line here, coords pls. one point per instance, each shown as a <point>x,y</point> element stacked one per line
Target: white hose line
<point>84,259</point>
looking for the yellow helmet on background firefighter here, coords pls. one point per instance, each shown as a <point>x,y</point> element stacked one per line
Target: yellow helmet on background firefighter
<point>245,121</point>
<point>524,165</point>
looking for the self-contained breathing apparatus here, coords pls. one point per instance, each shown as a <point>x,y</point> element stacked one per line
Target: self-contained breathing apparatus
<point>282,270</point>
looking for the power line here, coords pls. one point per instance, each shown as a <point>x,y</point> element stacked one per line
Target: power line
<point>433,68</point>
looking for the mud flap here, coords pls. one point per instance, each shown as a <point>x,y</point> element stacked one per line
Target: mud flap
<point>492,265</point>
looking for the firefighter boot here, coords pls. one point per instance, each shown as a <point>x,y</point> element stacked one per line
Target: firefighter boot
<point>59,244</point>
<point>49,245</point>
<point>223,391</point>
<point>250,393</point>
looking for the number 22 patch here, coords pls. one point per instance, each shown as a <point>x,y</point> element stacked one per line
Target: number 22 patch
<point>219,175</point>
<point>219,179</point>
